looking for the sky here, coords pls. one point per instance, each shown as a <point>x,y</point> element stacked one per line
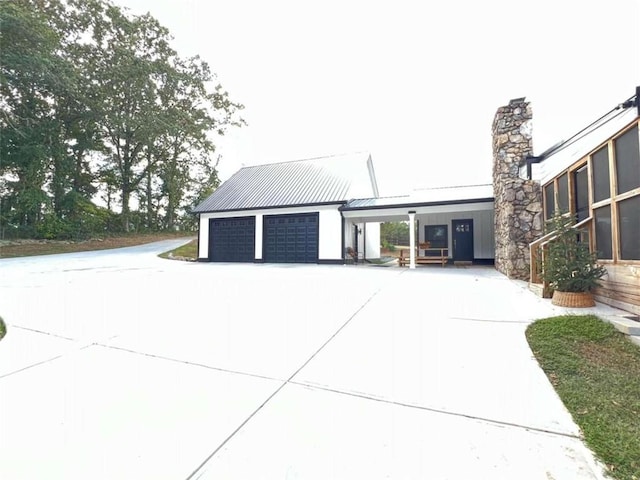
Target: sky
<point>415,83</point>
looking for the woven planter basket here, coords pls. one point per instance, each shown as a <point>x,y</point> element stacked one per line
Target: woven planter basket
<point>573,299</point>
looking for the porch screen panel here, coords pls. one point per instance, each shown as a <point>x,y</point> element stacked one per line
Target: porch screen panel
<point>628,161</point>
<point>603,232</point>
<point>629,225</point>
<point>563,193</point>
<point>581,194</point>
<point>549,202</point>
<point>601,185</point>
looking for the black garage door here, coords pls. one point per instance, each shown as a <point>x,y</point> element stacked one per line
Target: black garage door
<point>291,238</point>
<point>232,239</point>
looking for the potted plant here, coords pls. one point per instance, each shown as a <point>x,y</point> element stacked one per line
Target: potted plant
<point>569,266</point>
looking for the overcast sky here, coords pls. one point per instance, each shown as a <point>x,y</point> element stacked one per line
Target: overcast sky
<point>416,83</point>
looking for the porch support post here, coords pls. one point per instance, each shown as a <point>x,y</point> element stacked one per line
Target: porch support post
<point>412,239</point>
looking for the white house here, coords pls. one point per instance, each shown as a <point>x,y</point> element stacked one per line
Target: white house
<point>317,210</point>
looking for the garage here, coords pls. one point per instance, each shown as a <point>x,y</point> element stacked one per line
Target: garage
<point>291,238</point>
<point>293,209</point>
<point>232,239</point>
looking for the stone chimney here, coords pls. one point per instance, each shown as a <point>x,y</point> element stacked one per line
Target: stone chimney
<point>518,201</point>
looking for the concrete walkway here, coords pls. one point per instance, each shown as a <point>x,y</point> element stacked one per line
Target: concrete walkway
<point>121,365</point>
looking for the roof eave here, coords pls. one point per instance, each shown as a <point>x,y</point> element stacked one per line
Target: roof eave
<point>420,204</point>
<point>272,207</point>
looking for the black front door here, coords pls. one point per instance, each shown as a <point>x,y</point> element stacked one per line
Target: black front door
<point>462,240</point>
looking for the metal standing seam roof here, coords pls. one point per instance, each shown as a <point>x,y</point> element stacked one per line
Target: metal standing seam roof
<point>430,196</point>
<point>569,152</point>
<point>302,182</point>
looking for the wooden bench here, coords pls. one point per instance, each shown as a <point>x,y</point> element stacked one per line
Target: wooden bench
<point>438,255</point>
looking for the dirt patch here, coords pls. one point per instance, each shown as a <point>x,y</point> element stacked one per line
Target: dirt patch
<point>599,355</point>
<point>29,247</point>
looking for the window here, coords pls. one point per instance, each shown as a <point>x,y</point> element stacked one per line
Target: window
<point>436,235</point>
<point>629,224</point>
<point>581,193</point>
<point>603,232</point>
<point>628,161</point>
<point>549,202</point>
<point>563,193</point>
<point>600,164</point>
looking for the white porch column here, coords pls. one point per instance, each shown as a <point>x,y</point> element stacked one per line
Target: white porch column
<point>412,239</point>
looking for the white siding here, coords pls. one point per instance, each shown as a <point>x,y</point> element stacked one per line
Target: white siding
<point>372,238</point>
<point>259,236</point>
<point>330,241</point>
<point>483,230</point>
<point>203,237</point>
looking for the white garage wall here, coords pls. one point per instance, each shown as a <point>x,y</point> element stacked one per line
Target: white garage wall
<point>330,225</point>
<point>203,237</point>
<point>259,237</point>
<point>330,241</point>
<point>372,239</point>
<point>483,230</point>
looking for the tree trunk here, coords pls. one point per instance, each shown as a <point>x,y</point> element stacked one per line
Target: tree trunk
<point>126,195</point>
<point>150,222</point>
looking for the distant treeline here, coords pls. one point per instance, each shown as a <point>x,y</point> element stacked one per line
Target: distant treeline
<point>104,128</point>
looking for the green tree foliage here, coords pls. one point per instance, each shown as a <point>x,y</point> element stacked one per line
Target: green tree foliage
<point>394,233</point>
<point>96,105</point>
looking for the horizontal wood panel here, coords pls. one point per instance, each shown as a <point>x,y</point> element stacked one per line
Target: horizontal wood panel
<point>621,287</point>
<point>624,274</point>
<point>623,294</point>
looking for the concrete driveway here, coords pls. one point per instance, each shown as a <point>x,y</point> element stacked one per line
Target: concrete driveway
<point>120,365</point>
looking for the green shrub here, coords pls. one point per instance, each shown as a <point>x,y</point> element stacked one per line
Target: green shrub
<point>569,265</point>
<point>3,329</point>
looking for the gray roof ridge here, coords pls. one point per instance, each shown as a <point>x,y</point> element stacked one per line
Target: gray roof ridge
<point>307,159</point>
<point>380,198</point>
<point>453,186</point>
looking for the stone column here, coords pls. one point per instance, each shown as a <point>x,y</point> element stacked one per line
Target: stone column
<point>518,201</point>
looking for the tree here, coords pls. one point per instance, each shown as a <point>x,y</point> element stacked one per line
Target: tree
<point>394,233</point>
<point>32,77</point>
<point>46,127</point>
<point>95,101</point>
<point>183,152</point>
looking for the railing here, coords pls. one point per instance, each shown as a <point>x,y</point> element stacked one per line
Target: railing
<point>537,253</point>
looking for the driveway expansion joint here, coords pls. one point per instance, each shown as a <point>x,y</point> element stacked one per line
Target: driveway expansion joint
<point>187,362</point>
<point>491,320</point>
<point>436,410</point>
<point>75,349</point>
<point>199,471</point>
<point>34,330</point>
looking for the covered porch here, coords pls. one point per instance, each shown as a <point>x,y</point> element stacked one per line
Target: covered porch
<point>448,225</point>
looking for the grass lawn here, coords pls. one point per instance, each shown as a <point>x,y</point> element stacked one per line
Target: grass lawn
<point>188,251</point>
<point>27,248</point>
<point>596,371</point>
